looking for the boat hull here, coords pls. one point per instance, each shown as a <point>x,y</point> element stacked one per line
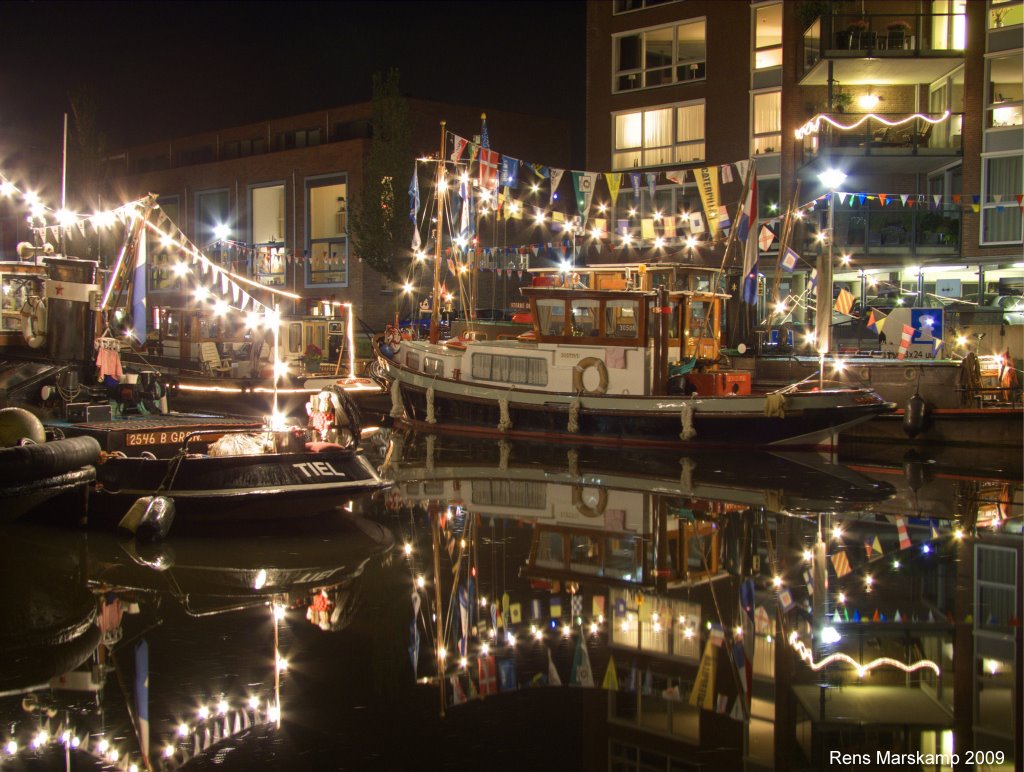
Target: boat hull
<point>989,426</point>
<point>808,419</point>
<point>207,489</point>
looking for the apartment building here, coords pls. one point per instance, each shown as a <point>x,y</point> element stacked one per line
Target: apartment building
<point>271,200</point>
<point>929,209</point>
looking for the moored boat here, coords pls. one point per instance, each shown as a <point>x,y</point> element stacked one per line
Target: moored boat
<point>596,368</point>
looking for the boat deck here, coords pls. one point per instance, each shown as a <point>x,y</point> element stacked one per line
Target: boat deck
<point>161,435</point>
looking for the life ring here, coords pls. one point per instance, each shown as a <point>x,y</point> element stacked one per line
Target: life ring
<point>581,367</point>
<point>583,508</point>
<point>33,322</point>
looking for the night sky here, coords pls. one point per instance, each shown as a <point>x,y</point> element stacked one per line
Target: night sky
<point>157,70</point>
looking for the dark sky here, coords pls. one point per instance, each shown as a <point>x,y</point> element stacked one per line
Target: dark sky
<point>160,70</point>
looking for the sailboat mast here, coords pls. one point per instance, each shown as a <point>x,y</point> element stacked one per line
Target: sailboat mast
<point>435,306</point>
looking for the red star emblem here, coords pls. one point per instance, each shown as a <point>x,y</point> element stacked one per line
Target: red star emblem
<point>58,289</point>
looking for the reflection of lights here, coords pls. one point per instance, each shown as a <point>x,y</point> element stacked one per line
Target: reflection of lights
<point>203,713</point>
<point>168,751</point>
<point>183,730</point>
<point>830,635</point>
<point>441,653</point>
<point>593,628</point>
<point>260,580</point>
<point>222,707</point>
<point>991,665</point>
<point>958,534</point>
<point>837,532</point>
<point>485,649</point>
<point>841,598</point>
<point>282,663</point>
<point>511,639</point>
<point>896,564</point>
<point>273,713</point>
<point>777,581</point>
<point>808,556</point>
<point>869,581</point>
<point>254,702</point>
<point>808,656</point>
<point>407,548</point>
<point>539,635</point>
<point>566,631</point>
<point>420,581</point>
<point>463,662</point>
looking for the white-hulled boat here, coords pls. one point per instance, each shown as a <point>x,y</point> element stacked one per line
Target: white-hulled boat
<point>596,368</point>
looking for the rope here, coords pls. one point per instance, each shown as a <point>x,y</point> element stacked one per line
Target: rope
<point>504,449</point>
<point>396,401</point>
<point>504,421</point>
<point>686,474</point>
<point>775,405</point>
<point>574,462</point>
<point>574,416</point>
<point>686,420</point>
<point>431,418</point>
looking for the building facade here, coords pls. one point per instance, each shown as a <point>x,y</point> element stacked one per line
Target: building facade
<point>271,201</point>
<point>928,212</point>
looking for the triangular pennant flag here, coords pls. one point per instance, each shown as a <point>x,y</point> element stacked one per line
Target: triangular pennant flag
<point>877,546</point>
<point>903,198</point>
<point>876,617</point>
<point>611,677</point>
<point>553,678</point>
<point>726,173</point>
<point>652,184</point>
<point>614,180</point>
<point>897,618</point>
<point>459,147</point>
<point>868,548</point>
<point>556,177</point>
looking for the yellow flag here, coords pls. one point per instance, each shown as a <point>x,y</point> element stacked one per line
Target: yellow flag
<point>707,185</point>
<point>668,223</point>
<point>703,694</point>
<point>647,228</point>
<point>611,677</point>
<point>614,181</point>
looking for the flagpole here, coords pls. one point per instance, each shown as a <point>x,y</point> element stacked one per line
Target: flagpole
<point>435,332</point>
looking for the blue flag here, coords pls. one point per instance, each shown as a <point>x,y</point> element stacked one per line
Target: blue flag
<point>507,678</point>
<point>634,178</point>
<point>509,172</point>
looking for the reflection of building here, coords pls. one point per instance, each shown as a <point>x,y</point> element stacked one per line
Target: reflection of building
<point>283,190</point>
<point>922,215</point>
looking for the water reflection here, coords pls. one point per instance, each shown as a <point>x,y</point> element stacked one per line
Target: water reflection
<point>757,607</point>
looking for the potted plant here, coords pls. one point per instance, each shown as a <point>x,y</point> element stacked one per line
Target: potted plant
<point>841,100</point>
<point>311,358</point>
<point>899,33</point>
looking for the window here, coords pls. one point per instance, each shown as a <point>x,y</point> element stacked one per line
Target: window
<point>266,204</point>
<point>1005,13</point>
<point>161,259</point>
<point>664,135</point>
<point>767,114</point>
<point>532,371</point>
<point>328,231</point>
<point>621,319</point>
<point>1005,96</point>
<point>289,140</point>
<point>767,36</point>
<point>212,214</point>
<point>949,24</point>
<point>1001,219</point>
<point>660,56</point>
<point>622,6</point>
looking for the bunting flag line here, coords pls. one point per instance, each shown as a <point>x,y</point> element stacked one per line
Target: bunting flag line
<point>611,677</point>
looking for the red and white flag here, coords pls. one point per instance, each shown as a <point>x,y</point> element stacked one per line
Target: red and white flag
<point>901,526</point>
<point>488,675</point>
<point>905,336</point>
<point>460,147</point>
<point>489,160</point>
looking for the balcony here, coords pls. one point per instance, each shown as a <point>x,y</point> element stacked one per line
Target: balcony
<point>904,48</point>
<point>916,143</point>
<point>873,229</point>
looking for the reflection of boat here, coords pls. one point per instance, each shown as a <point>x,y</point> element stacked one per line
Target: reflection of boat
<point>538,474</point>
<point>592,516</point>
<point>52,477</point>
<point>596,369</point>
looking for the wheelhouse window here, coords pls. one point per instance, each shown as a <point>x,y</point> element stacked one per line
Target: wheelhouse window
<point>657,137</point>
<point>661,56</point>
<point>585,317</point>
<point>551,316</point>
<point>621,318</point>
<point>767,36</point>
<point>327,209</point>
<point>767,114</point>
<point>266,203</point>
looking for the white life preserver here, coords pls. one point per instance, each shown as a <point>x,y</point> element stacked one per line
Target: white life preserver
<point>33,322</point>
<point>581,367</point>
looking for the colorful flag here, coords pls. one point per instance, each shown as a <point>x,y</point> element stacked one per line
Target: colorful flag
<point>583,184</point>
<point>703,693</point>
<point>142,691</point>
<point>905,337</point>
<point>789,260</point>
<point>485,137</point>
<point>868,548</point>
<point>844,302</point>
<point>717,634</point>
<point>556,607</point>
<point>786,600</point>
<point>812,282</point>
<point>747,224</point>
<point>668,226</point>
<point>556,177</point>
<point>936,345</point>
<point>724,221</point>
<point>509,172</point>
<point>458,695</point>
<point>139,305</point>
<point>581,675</point>
<point>507,678</point>
<point>634,178</point>
<point>488,676</point>
<point>459,147</point>
<point>647,228</point>
<point>901,528</point>
<point>614,180</point>
<point>707,187</point>
<point>696,223</point>
<point>597,605</point>
<point>652,184</point>
<point>841,563</point>
<point>489,160</point>
<point>553,678</point>
<point>877,546</point>
<point>765,237</point>
<point>414,206</point>
<point>935,530</point>
<point>611,677</point>
<point>576,606</point>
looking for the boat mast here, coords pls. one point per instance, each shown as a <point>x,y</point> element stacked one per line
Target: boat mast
<point>435,331</point>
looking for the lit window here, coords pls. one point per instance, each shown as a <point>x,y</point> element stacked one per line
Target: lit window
<point>767,36</point>
<point>328,231</point>
<point>660,56</point>
<point>1005,96</point>
<point>1001,223</point>
<point>664,135</point>
<point>768,122</point>
<point>267,207</point>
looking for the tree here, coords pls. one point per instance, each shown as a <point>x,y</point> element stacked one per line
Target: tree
<point>381,230</point>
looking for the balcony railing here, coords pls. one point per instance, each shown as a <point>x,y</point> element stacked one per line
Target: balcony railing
<point>886,134</point>
<point>903,34</point>
<point>871,227</point>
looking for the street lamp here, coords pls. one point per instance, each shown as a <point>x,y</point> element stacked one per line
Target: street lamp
<point>831,179</point>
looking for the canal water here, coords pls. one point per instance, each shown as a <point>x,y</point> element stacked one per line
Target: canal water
<point>513,606</point>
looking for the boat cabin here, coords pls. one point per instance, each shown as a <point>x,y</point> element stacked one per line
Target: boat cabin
<point>19,280</point>
<point>628,318</point>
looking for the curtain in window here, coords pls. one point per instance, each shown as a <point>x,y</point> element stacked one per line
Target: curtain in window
<point>767,113</point>
<point>1005,178</point>
<point>690,126</point>
<point>628,132</point>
